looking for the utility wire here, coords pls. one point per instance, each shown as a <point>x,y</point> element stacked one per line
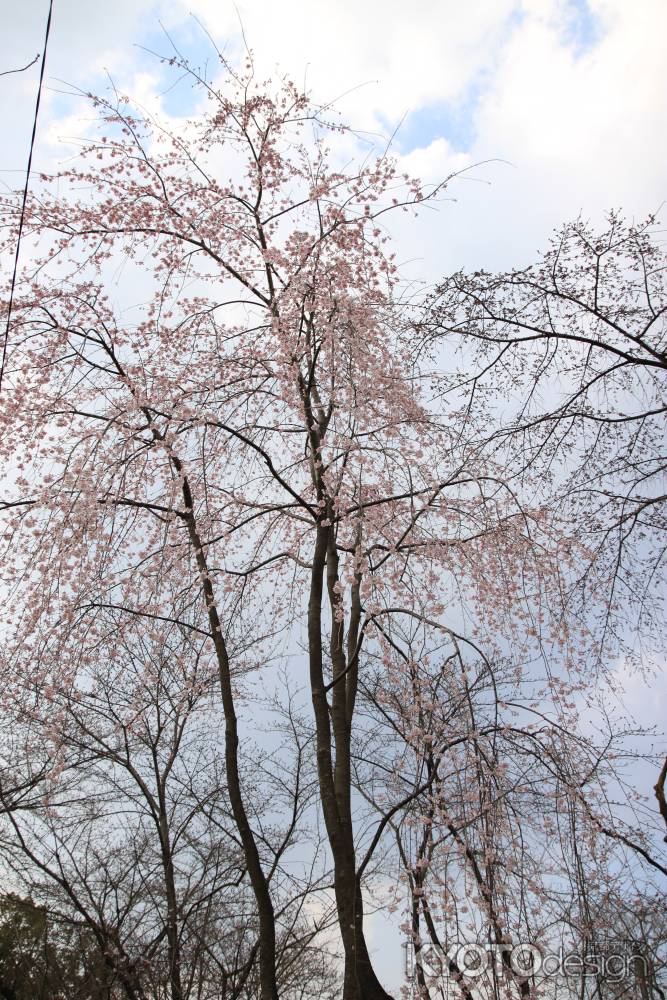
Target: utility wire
<point>25,193</point>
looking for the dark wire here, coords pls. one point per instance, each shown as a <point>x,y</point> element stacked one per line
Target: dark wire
<point>25,193</point>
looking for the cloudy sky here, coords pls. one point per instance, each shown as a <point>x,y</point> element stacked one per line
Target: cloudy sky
<point>560,104</point>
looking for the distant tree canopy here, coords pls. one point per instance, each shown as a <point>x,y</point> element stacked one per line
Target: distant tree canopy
<point>42,959</point>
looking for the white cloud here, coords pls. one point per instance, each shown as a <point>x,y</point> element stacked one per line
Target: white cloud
<point>405,55</point>
<point>594,117</point>
<point>568,92</point>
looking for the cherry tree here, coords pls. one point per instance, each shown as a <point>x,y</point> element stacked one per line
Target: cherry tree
<point>577,340</point>
<point>513,815</point>
<point>257,460</point>
<point>128,835</point>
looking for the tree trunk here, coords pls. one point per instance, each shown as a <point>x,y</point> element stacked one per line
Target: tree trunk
<point>258,880</point>
<point>360,982</point>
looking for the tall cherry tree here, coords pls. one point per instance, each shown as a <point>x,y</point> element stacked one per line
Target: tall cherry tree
<point>257,457</point>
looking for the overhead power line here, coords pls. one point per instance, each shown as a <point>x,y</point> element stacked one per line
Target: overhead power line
<point>25,194</point>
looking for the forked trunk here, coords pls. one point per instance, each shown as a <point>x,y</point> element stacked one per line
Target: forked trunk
<point>360,980</point>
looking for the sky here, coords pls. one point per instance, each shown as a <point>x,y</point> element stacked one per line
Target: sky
<point>557,107</point>
<point>560,103</point>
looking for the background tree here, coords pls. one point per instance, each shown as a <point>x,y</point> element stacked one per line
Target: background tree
<point>44,959</point>
<point>131,836</point>
<point>572,351</point>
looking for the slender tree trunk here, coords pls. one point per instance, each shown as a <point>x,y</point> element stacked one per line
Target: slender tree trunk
<point>258,880</point>
<point>173,944</point>
<point>360,982</point>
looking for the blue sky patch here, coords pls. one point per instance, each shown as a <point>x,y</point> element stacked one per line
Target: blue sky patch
<point>453,120</point>
<point>582,28</point>
<point>179,96</point>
